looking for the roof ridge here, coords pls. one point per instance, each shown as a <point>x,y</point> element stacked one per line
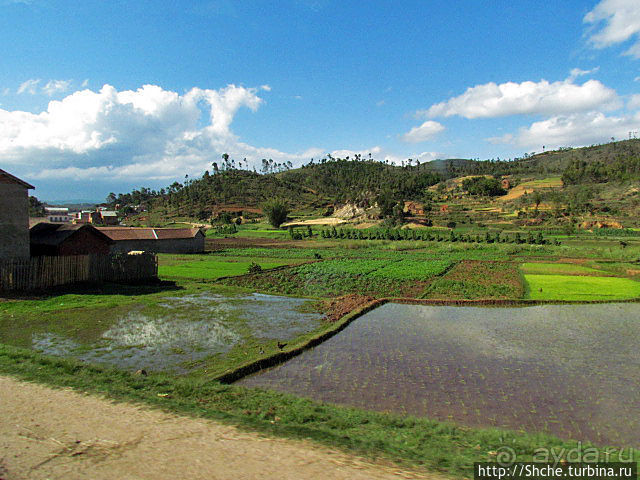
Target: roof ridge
<point>16,179</point>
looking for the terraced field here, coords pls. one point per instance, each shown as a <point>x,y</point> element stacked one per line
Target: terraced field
<point>476,279</point>
<point>380,278</point>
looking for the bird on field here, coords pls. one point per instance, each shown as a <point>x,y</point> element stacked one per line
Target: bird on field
<point>281,345</point>
<point>261,351</point>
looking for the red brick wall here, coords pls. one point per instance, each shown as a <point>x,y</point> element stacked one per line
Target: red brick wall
<point>83,242</point>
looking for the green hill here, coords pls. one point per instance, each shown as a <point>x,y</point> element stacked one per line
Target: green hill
<point>318,184</point>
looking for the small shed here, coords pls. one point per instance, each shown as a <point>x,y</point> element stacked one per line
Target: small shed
<point>156,240</point>
<point>62,239</point>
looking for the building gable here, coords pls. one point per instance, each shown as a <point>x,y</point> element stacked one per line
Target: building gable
<point>6,177</point>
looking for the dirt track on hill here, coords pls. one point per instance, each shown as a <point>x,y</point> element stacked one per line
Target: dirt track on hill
<point>52,434</point>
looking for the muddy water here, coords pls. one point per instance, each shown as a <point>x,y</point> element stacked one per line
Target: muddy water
<point>172,336</point>
<point>569,370</point>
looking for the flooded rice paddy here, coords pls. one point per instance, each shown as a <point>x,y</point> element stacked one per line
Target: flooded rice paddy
<point>172,336</point>
<point>569,370</point>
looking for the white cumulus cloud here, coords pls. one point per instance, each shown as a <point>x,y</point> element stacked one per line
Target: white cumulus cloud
<point>492,100</point>
<point>576,130</point>
<point>424,132</point>
<point>615,21</point>
<point>148,133</point>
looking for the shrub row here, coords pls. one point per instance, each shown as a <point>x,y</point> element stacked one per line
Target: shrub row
<point>452,236</point>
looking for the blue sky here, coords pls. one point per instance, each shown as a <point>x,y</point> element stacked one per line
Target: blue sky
<point>100,96</point>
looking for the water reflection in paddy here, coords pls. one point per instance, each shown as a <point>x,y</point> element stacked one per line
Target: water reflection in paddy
<point>570,370</point>
<point>173,336</point>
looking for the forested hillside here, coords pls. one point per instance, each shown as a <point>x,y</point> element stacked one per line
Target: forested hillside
<point>363,180</point>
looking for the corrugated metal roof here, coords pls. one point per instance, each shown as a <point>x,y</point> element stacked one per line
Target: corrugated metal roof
<point>166,233</point>
<point>133,233</point>
<point>56,233</point>
<point>127,233</point>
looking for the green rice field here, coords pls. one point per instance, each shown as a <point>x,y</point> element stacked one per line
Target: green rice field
<point>581,288</point>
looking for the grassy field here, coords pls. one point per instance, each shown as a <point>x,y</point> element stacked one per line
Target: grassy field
<point>211,267</point>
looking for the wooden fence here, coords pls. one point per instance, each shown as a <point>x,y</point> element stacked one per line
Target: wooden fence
<point>42,272</point>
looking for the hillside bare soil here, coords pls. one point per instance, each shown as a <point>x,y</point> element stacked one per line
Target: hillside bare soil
<point>60,434</point>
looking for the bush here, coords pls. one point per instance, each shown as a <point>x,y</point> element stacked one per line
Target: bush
<point>276,211</point>
<point>254,268</point>
<point>490,187</point>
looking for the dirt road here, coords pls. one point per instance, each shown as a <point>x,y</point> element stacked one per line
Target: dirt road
<point>60,434</point>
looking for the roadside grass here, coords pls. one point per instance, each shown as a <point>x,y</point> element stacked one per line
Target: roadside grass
<point>475,279</point>
<point>585,288</point>
<point>560,269</point>
<point>408,441</point>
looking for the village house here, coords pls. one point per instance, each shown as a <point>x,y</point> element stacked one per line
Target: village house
<point>108,217</point>
<point>97,217</point>
<point>61,239</point>
<point>14,216</point>
<point>57,214</point>
<point>156,240</point>
<point>83,217</point>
